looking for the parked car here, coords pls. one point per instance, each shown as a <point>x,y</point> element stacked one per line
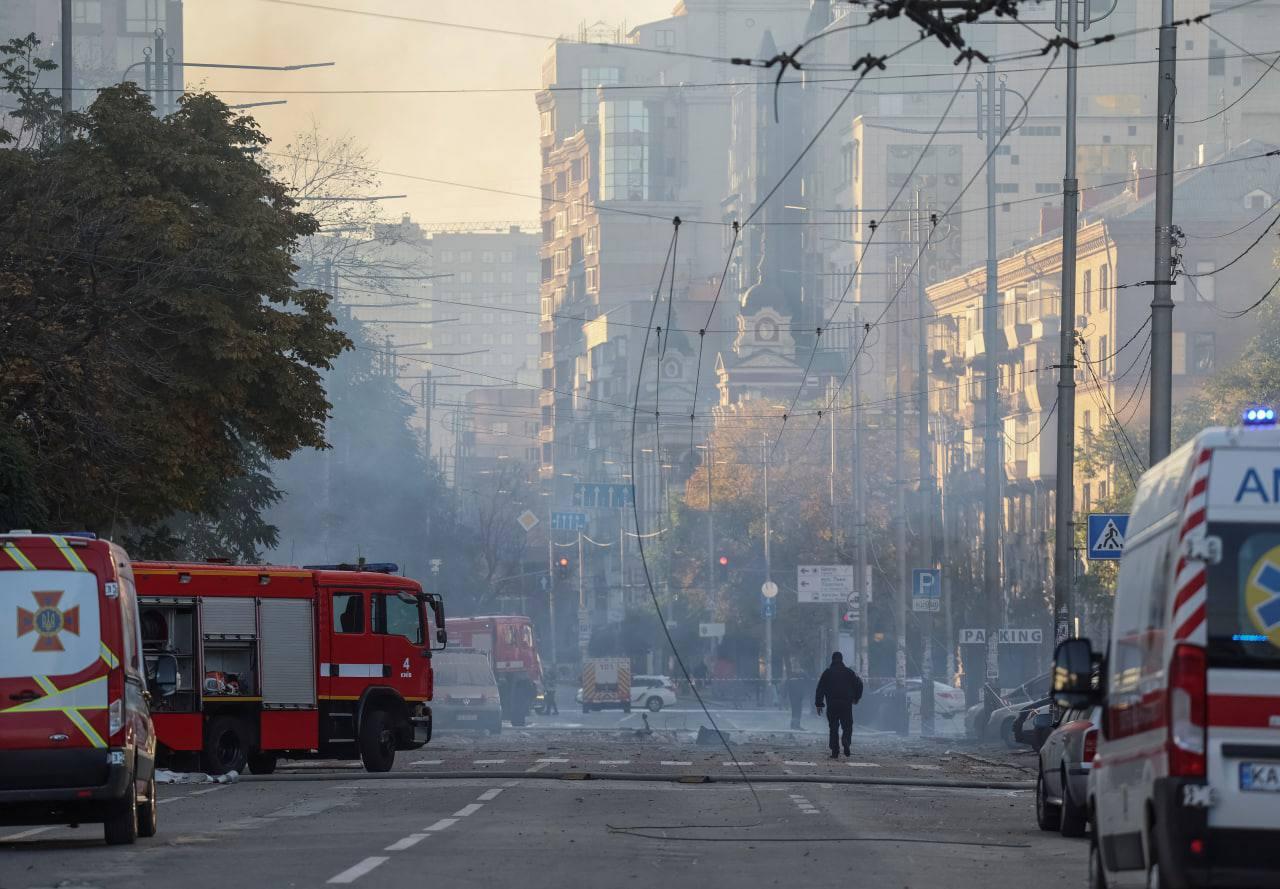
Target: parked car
<point>876,707</point>
<point>77,742</point>
<point>653,692</point>
<point>1033,725</point>
<point>997,724</point>
<point>1062,783</point>
<point>466,692</point>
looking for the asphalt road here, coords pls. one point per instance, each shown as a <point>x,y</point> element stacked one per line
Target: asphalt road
<point>525,823</point>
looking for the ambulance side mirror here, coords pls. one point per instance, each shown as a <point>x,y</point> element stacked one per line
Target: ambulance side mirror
<point>1074,672</point>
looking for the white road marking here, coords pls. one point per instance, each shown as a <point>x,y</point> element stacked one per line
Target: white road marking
<point>490,794</point>
<point>468,809</point>
<point>615,762</point>
<point>408,842</point>
<point>442,824</point>
<point>487,762</point>
<point>863,765</point>
<point>792,762</point>
<point>538,767</point>
<point>427,762</point>
<point>552,759</point>
<point>924,768</point>
<point>206,790</point>
<point>22,835</point>
<point>741,762</point>
<point>351,874</point>
<point>675,762</point>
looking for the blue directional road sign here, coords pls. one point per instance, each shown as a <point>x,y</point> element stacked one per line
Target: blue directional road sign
<point>589,495</point>
<point>768,607</point>
<point>1106,534</point>
<point>568,521</point>
<point>926,589</point>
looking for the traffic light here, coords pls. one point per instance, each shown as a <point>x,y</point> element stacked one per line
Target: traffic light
<point>562,567</point>
<point>722,567</point>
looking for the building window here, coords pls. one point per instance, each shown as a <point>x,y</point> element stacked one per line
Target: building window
<point>1046,188</point>
<point>507,257</point>
<point>86,12</point>
<point>486,256</point>
<point>1104,357</point>
<point>1086,292</point>
<point>592,78</point>
<point>446,256</point>
<point>486,277</point>
<point>1006,188</point>
<point>143,16</point>
<point>1088,421</point>
<point>1202,353</point>
<point>1104,288</point>
<point>593,280</point>
<point>664,38</point>
<point>625,158</point>
<point>1204,288</point>
<point>1257,200</point>
<point>464,277</point>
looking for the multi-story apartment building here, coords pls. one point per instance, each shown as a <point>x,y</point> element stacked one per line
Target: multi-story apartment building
<point>1114,266</point>
<point>111,39</point>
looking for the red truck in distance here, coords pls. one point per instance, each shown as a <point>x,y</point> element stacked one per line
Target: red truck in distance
<point>257,663</point>
<point>509,642</point>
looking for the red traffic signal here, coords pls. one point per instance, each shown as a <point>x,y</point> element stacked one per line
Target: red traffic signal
<point>724,561</point>
<point>562,566</point>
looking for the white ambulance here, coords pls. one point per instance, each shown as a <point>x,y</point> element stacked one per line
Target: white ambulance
<point>1185,787</point>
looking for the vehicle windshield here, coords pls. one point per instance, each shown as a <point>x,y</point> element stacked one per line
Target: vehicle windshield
<point>455,673</point>
<point>1244,598</point>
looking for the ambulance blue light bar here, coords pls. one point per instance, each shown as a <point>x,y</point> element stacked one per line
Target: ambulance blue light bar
<point>1260,416</point>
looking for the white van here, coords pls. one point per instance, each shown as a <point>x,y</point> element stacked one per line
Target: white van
<point>1185,787</point>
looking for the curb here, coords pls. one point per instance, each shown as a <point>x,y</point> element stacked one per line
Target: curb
<point>688,778</point>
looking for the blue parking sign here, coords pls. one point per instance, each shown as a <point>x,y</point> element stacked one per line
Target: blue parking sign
<point>1107,531</point>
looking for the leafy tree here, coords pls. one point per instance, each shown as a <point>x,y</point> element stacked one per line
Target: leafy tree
<point>153,343</point>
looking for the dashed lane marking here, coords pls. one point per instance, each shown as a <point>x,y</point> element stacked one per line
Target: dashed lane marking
<point>22,835</point>
<point>552,759</point>
<point>790,762</point>
<point>675,762</point>
<point>468,809</point>
<point>442,824</point>
<point>490,794</point>
<point>427,762</point>
<point>863,765</point>
<point>741,762</point>
<point>538,767</point>
<point>615,762</point>
<point>487,762</point>
<point>355,872</point>
<point>206,790</point>
<point>407,843</point>
<point>923,768</point>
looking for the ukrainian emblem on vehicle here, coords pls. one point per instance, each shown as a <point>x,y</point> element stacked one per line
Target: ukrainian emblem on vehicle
<point>1262,595</point>
<point>48,621</point>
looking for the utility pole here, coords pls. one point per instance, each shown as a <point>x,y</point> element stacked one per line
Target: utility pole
<point>583,614</point>
<point>1064,507</point>
<point>768,567</point>
<point>835,546</point>
<point>926,464</point>
<point>860,514</point>
<point>900,522</point>
<point>992,469</point>
<point>67,67</point>
<point>711,528</point>
<point>1162,301</point>
<point>551,587</point>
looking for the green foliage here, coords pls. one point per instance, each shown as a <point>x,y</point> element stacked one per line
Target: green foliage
<point>153,342</point>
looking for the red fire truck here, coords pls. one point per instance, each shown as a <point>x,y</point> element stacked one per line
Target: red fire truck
<point>508,641</point>
<point>257,663</point>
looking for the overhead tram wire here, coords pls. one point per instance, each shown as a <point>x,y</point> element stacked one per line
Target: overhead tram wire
<point>644,561</point>
<point>1242,255</point>
<point>1100,398</point>
<point>702,332</point>
<point>853,275</point>
<point>1271,66</point>
<point>925,241</point>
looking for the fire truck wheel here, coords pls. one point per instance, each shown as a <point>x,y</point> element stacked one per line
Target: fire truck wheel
<point>120,826</point>
<point>226,745</point>
<point>262,763</point>
<point>377,741</point>
<point>148,821</point>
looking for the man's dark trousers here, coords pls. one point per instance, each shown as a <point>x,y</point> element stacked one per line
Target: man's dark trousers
<point>840,719</point>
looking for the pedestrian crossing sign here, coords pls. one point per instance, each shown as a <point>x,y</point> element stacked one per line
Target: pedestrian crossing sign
<point>1106,534</point>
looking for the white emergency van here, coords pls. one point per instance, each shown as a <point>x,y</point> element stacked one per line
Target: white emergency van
<point>1185,786</point>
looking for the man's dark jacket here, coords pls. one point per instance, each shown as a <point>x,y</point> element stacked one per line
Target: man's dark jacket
<point>840,686</point>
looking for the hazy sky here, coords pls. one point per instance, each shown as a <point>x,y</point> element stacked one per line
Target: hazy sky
<point>486,139</point>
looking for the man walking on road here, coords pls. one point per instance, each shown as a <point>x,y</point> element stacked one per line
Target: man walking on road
<point>838,689</point>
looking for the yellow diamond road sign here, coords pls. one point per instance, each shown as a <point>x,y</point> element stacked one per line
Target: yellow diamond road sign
<point>527,520</point>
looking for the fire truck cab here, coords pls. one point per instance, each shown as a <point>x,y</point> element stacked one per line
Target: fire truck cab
<point>508,641</point>
<point>255,663</point>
